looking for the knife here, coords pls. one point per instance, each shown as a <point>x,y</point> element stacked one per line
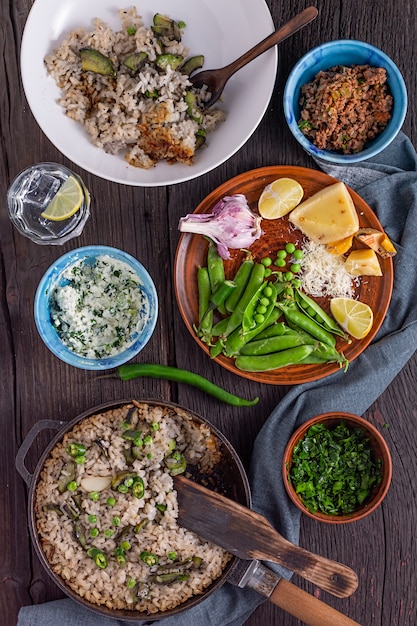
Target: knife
<point>286,595</point>
<point>248,535</point>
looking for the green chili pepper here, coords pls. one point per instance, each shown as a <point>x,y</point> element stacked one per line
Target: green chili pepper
<point>130,435</point>
<point>99,558</point>
<point>149,558</point>
<point>267,362</point>
<point>120,556</point>
<point>139,527</point>
<point>127,372</point>
<point>138,488</point>
<point>171,577</point>
<point>80,534</point>
<point>176,464</point>
<point>75,449</point>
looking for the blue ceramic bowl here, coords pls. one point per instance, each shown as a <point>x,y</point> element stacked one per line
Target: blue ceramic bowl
<point>53,277</point>
<point>344,52</point>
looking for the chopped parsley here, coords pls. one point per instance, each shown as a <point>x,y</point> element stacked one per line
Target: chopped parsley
<point>333,470</point>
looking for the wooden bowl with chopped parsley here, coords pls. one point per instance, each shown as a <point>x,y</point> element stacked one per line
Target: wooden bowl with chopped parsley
<point>337,468</point>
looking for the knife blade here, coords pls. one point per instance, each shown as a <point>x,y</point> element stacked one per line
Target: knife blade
<point>248,535</point>
<point>302,605</point>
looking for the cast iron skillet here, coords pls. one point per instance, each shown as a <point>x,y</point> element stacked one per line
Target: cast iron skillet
<point>229,478</point>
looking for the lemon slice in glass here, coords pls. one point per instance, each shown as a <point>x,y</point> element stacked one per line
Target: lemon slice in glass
<point>66,201</point>
<point>355,317</point>
<point>279,198</point>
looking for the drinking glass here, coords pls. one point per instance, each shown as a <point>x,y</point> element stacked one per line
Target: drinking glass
<point>29,195</point>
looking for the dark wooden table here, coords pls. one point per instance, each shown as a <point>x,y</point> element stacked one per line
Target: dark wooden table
<point>143,221</point>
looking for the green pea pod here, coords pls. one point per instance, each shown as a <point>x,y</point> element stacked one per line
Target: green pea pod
<point>204,291</point>
<point>237,339</point>
<point>216,301</point>
<point>204,330</point>
<point>248,321</point>
<point>267,362</point>
<point>216,348</point>
<point>329,354</point>
<point>293,314</point>
<point>272,344</point>
<point>222,292</point>
<point>312,359</point>
<point>320,316</point>
<point>215,267</point>
<point>274,330</point>
<point>220,328</point>
<point>241,279</point>
<point>255,281</point>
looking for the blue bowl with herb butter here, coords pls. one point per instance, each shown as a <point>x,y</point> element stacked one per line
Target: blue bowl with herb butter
<point>337,468</point>
<point>344,52</point>
<point>96,307</point>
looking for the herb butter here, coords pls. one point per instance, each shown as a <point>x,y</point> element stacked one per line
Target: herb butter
<point>99,308</point>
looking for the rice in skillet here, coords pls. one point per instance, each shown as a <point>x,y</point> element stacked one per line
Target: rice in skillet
<point>151,564</point>
<point>145,113</point>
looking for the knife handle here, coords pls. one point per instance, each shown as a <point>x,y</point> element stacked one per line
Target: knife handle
<point>306,607</point>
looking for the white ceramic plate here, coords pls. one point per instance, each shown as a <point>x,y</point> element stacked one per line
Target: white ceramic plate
<point>221,30</point>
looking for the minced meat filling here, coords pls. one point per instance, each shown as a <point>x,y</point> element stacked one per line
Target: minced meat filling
<point>345,107</point>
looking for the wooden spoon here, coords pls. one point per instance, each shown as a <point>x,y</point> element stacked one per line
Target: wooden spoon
<point>217,79</point>
<point>249,535</point>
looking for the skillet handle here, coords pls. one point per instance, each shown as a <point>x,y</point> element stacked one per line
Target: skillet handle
<point>306,607</point>
<point>27,444</point>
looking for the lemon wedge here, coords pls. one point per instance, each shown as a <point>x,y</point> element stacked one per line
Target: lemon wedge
<point>279,198</point>
<point>355,317</point>
<point>66,201</point>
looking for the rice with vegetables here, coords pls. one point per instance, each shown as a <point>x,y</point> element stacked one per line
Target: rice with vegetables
<point>345,107</point>
<point>106,509</point>
<point>147,112</point>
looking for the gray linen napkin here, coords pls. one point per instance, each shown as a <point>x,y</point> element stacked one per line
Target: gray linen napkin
<point>388,183</point>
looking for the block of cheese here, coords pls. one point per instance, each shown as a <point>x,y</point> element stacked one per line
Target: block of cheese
<point>363,263</point>
<point>329,215</point>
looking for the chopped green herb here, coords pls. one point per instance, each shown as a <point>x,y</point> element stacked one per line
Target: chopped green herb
<point>333,470</point>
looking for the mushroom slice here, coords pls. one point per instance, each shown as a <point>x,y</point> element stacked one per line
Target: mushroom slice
<point>377,240</point>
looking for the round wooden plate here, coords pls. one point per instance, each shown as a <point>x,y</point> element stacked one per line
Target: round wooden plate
<point>192,250</point>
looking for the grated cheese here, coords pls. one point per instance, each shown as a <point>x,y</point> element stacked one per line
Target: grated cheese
<point>324,274</point>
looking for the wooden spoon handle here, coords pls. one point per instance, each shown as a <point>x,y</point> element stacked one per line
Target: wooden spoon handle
<point>306,607</point>
<point>288,29</point>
